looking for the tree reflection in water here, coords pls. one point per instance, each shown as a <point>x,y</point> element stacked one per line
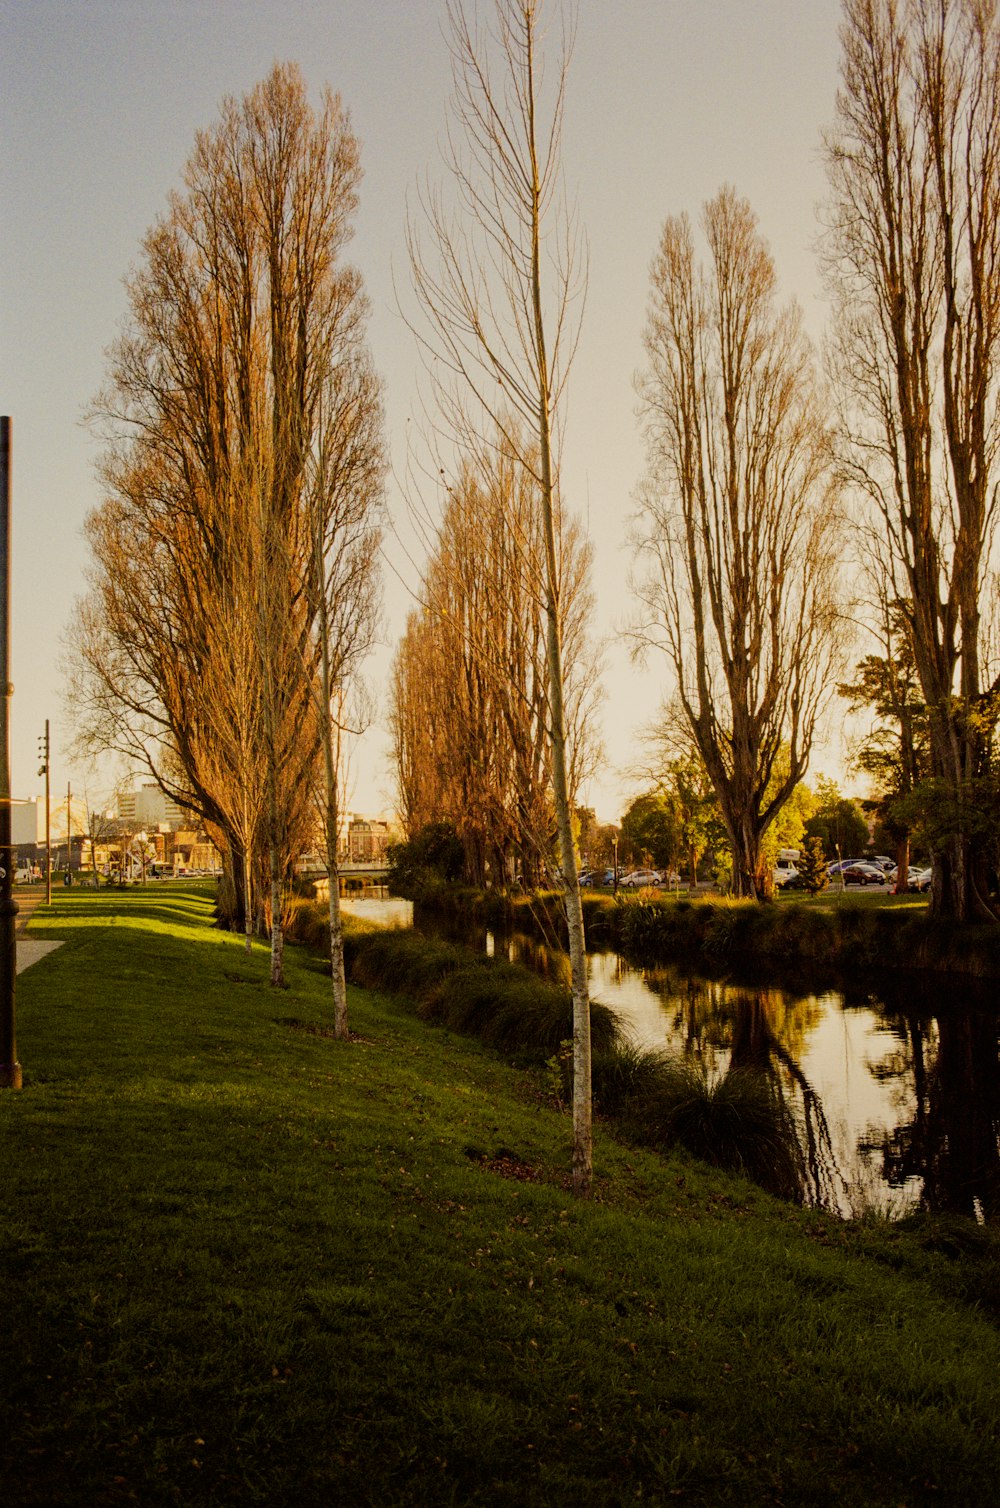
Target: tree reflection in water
<point>925,1133</point>
<point>951,1141</point>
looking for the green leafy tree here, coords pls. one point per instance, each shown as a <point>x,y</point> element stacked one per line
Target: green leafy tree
<point>650,827</point>
<point>812,866</point>
<point>895,752</point>
<point>434,855</point>
<point>699,817</point>
<point>838,821</point>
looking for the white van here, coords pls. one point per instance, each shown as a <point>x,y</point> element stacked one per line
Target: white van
<point>786,866</point>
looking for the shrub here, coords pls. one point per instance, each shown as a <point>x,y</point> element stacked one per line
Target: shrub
<point>433,856</point>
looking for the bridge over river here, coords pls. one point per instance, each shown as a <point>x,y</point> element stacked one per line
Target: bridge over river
<point>355,879</point>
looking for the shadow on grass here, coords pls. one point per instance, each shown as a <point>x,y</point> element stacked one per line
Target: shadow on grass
<point>149,909</point>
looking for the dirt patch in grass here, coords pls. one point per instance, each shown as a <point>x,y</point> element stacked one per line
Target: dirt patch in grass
<point>310,1029</point>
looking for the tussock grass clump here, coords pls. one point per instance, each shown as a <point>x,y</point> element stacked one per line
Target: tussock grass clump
<point>625,1075</point>
<point>404,962</point>
<point>306,921</point>
<point>736,1122</point>
<point>309,923</point>
<point>503,1005</point>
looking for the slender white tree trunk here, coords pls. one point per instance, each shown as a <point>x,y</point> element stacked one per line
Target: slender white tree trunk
<point>277,939</point>
<point>337,974</point>
<point>582,1130</point>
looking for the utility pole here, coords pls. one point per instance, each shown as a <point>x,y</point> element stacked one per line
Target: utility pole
<point>10,1068</point>
<point>69,838</point>
<point>43,749</point>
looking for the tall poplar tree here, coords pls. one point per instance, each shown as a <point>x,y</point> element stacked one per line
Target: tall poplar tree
<point>913,262</point>
<point>738,526</point>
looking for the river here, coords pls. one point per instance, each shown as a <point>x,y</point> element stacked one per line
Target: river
<point>896,1094</point>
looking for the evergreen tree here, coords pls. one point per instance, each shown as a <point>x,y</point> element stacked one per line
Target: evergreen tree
<point>812,867</point>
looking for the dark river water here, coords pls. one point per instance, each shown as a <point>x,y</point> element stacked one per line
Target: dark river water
<point>895,1093</point>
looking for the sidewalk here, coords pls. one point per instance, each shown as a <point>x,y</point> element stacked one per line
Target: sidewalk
<point>29,949</point>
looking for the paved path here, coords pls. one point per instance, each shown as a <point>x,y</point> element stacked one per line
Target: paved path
<point>30,949</point>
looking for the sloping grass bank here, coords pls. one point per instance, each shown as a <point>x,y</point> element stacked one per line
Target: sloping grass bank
<point>654,1100</point>
<point>833,932</point>
<point>242,1263</point>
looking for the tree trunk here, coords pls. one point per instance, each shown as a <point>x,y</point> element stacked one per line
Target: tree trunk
<point>751,880</point>
<point>902,866</point>
<point>338,979</point>
<point>277,939</point>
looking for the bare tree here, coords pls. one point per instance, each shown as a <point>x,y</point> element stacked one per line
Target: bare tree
<point>913,261</point>
<point>496,279</point>
<point>738,521</point>
<point>200,651</point>
<point>344,509</point>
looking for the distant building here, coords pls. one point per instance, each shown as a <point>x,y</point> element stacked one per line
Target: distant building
<point>367,840</point>
<point>151,808</point>
<point>27,820</point>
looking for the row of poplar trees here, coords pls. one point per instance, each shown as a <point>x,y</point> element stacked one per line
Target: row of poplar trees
<point>234,582</point>
<point>469,689</point>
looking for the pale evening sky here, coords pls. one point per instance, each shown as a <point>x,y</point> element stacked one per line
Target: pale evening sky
<point>100,103</point>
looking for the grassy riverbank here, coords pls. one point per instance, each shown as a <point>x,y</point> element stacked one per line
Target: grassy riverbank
<point>242,1263</point>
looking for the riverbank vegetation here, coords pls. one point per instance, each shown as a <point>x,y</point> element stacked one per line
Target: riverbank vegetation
<point>835,931</point>
<point>246,1263</point>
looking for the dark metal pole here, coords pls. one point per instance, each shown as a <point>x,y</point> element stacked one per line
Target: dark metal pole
<point>10,1068</point>
<point>48,820</point>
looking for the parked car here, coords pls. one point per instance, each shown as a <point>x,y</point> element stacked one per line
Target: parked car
<point>863,873</point>
<point>640,878</point>
<point>912,875</point>
<point>784,874</point>
<point>923,880</point>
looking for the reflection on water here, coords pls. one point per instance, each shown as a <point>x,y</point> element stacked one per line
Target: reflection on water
<point>895,1096</point>
<point>385,909</point>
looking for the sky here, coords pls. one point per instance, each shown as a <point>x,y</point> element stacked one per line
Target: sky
<point>99,106</point>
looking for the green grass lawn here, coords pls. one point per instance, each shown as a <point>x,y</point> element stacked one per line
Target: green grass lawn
<point>243,1263</point>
